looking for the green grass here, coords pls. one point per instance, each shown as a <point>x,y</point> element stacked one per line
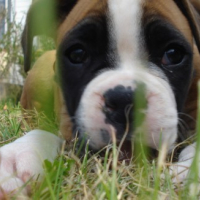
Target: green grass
<point>93,177</point>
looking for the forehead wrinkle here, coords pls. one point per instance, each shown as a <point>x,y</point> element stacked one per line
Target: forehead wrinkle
<point>82,9</point>
<point>125,24</point>
<point>170,12</point>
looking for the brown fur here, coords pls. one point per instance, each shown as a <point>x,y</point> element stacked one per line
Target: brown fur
<point>42,93</point>
<point>82,9</point>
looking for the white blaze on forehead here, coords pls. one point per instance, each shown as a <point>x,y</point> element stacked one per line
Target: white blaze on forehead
<point>125,18</point>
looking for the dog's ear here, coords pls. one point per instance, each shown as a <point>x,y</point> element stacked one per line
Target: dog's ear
<point>191,10</point>
<point>42,19</point>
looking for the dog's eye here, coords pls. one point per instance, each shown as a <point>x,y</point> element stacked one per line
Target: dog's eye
<point>77,54</point>
<point>172,56</point>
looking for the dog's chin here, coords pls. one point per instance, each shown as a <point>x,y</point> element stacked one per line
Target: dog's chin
<point>86,142</point>
<point>125,151</point>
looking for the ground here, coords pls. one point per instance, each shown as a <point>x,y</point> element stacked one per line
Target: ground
<point>93,177</point>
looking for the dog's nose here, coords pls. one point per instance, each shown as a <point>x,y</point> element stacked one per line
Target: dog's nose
<point>118,104</point>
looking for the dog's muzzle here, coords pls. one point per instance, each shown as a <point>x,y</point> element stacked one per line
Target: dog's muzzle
<point>108,107</point>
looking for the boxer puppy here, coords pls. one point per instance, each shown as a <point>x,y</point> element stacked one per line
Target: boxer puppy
<point>107,48</point>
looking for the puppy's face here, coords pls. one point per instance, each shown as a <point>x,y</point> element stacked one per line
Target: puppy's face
<point>114,47</point>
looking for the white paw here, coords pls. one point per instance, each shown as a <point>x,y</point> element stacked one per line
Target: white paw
<point>180,170</point>
<point>23,159</point>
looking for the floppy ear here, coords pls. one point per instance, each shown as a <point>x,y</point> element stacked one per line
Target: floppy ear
<point>191,10</point>
<point>42,19</point>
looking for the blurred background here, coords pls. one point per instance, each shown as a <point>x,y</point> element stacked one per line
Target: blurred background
<point>12,20</point>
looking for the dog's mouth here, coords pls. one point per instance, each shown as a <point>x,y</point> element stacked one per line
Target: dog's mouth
<point>124,150</point>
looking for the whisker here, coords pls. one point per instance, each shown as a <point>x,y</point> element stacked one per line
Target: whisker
<point>184,128</point>
<point>188,116</point>
<point>183,124</point>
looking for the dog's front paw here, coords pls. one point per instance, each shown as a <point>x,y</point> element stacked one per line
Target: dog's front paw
<point>180,170</point>
<point>9,185</point>
<point>22,160</point>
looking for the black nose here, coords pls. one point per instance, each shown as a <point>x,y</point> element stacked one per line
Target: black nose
<point>118,98</point>
<point>118,106</point>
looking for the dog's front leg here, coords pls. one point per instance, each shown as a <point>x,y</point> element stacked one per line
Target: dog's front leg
<point>23,159</point>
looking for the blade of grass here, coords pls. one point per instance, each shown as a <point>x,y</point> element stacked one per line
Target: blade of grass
<point>114,168</point>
